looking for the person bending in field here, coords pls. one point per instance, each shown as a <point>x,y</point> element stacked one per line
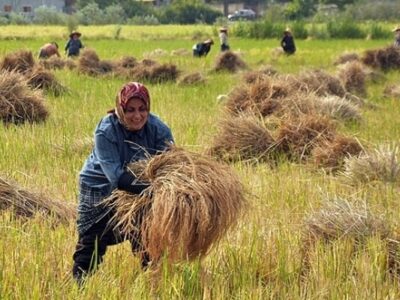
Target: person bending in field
<point>287,42</point>
<point>126,134</point>
<point>202,49</point>
<point>49,50</point>
<point>74,44</point>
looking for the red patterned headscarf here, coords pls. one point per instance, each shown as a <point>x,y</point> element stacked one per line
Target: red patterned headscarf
<point>133,90</point>
<point>129,91</point>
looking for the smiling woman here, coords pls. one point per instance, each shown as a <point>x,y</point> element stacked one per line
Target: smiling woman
<point>127,134</point>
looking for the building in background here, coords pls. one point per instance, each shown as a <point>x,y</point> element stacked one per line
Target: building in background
<point>27,7</point>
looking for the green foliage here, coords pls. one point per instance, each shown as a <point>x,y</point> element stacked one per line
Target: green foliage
<point>18,19</point>
<point>340,3</point>
<point>117,32</point>
<point>376,31</point>
<point>259,29</point>
<point>4,21</point>
<point>385,10</point>
<point>48,16</point>
<point>144,20</point>
<point>188,13</point>
<point>114,14</point>
<point>91,14</point>
<point>318,31</point>
<point>136,8</point>
<point>275,13</point>
<point>298,9</point>
<point>299,30</point>
<point>345,29</point>
<point>72,23</point>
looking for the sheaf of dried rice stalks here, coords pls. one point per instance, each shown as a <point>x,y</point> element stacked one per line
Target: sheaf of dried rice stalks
<point>354,76</point>
<point>89,63</point>
<point>191,78</point>
<point>381,164</point>
<point>20,61</point>
<point>244,137</point>
<point>24,203</point>
<point>339,219</point>
<point>331,154</point>
<point>296,137</point>
<point>18,102</point>
<point>346,57</point>
<point>229,61</point>
<point>317,81</point>
<point>53,63</point>
<point>194,201</point>
<point>40,78</point>
<point>338,108</point>
<point>261,96</point>
<point>392,91</point>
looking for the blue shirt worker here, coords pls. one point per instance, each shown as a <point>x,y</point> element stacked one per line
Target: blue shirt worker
<point>126,134</point>
<point>74,44</point>
<point>202,49</point>
<point>287,42</point>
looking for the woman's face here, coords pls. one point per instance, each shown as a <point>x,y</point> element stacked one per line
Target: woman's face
<point>136,114</point>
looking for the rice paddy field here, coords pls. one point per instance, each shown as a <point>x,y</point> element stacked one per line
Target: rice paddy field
<point>307,233</point>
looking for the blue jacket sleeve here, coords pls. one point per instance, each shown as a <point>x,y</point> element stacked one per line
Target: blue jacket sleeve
<point>108,157</point>
<point>164,139</point>
<point>67,45</point>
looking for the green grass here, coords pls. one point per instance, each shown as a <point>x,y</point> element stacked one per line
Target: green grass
<point>261,258</point>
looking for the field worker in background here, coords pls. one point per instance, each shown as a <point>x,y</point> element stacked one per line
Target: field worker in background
<point>202,49</point>
<point>287,42</point>
<point>396,36</point>
<point>128,133</point>
<point>49,50</point>
<point>223,37</point>
<point>74,44</point>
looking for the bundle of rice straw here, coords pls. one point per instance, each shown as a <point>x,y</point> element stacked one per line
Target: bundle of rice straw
<point>43,79</point>
<point>154,73</point>
<point>369,58</point>
<point>229,61</point>
<point>194,201</point>
<point>18,102</point>
<point>317,81</point>
<point>392,91</point>
<point>191,78</point>
<point>346,57</point>
<point>243,137</point>
<point>27,204</point>
<point>337,108</point>
<point>382,164</point>
<point>21,61</point>
<point>262,96</point>
<point>53,63</point>
<point>298,136</point>
<point>180,52</point>
<point>354,77</point>
<point>384,58</point>
<point>338,219</point>
<point>127,62</point>
<point>331,154</point>
<point>89,63</point>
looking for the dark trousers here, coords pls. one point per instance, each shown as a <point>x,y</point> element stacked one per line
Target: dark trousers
<point>92,246</point>
<point>224,47</point>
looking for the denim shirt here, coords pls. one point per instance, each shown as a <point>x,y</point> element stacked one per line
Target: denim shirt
<point>115,147</point>
<point>73,47</point>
